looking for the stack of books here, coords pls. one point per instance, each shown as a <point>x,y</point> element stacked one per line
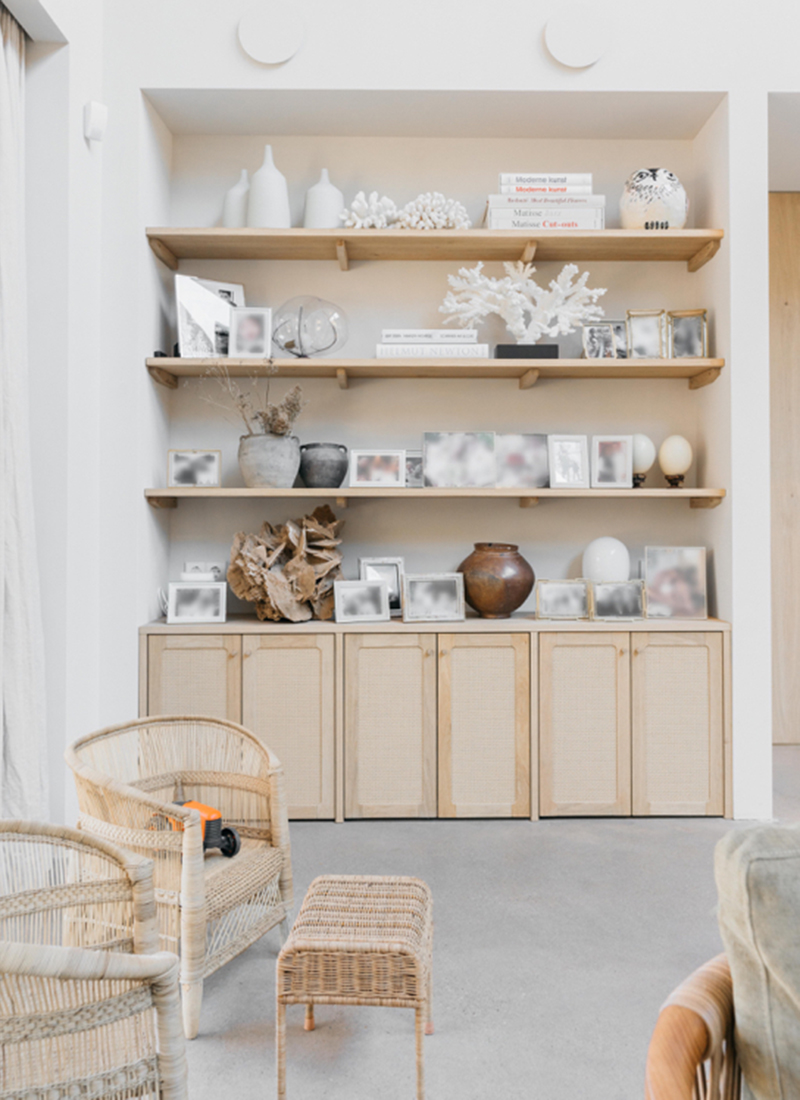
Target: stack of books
<point>546,200</point>
<point>431,343</point>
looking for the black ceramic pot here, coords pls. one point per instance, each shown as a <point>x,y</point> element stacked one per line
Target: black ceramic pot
<point>323,465</point>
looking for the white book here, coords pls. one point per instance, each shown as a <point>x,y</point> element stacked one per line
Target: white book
<point>535,189</point>
<point>520,201</point>
<point>548,179</point>
<point>429,335</point>
<point>547,219</point>
<point>432,351</point>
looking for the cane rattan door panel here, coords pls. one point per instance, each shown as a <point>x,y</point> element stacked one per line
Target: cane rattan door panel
<point>195,674</point>
<point>288,703</point>
<point>677,724</point>
<point>484,725</point>
<point>584,724</point>
<point>390,725</point>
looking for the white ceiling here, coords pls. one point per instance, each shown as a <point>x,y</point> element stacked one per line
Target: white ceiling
<point>784,141</point>
<point>364,113</point>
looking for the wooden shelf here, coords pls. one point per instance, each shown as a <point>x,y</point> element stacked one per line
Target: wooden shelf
<point>700,372</point>
<point>694,247</point>
<point>698,498</point>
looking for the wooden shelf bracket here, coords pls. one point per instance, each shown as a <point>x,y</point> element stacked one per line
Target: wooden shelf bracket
<point>163,377</point>
<point>705,379</point>
<point>341,378</point>
<point>528,502</point>
<point>529,252</point>
<point>705,502</point>
<point>341,502</point>
<point>341,255</point>
<point>162,502</point>
<point>166,255</point>
<point>703,256</point>
<point>529,379</point>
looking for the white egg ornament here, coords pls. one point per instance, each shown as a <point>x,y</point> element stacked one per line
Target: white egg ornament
<point>606,559</point>
<point>653,198</point>
<point>644,455</point>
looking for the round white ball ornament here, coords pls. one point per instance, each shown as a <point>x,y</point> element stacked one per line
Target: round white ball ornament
<point>606,559</point>
<point>271,31</point>
<point>644,455</point>
<point>579,33</point>
<point>675,458</point>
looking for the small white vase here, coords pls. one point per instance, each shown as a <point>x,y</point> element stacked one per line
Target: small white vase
<point>234,206</point>
<point>268,206</point>
<point>324,204</point>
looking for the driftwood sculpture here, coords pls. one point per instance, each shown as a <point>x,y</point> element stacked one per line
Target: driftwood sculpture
<point>288,571</point>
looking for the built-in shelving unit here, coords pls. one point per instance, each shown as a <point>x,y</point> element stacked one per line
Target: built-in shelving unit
<point>699,372</point>
<point>694,247</point>
<point>697,498</point>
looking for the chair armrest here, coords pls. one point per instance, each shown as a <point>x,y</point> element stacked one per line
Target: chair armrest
<point>82,964</point>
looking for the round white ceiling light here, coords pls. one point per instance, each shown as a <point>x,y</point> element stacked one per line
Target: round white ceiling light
<point>271,31</point>
<point>579,33</point>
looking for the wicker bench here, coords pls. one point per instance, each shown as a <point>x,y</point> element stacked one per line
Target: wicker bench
<point>359,940</point>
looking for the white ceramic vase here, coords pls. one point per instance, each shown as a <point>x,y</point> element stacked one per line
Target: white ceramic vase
<point>234,206</point>
<point>270,461</point>
<point>268,206</point>
<point>324,204</point>
<point>606,559</point>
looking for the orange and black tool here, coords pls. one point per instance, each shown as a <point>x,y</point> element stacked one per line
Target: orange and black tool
<point>215,835</point>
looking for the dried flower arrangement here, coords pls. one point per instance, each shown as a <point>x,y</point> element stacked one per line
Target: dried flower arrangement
<point>261,416</point>
<point>529,310</point>
<point>288,571</point>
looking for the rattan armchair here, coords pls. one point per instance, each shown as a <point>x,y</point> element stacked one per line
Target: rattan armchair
<point>210,908</point>
<point>86,1008</point>
<point>692,1054</point>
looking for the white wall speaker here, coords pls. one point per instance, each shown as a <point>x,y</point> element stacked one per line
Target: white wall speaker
<point>579,33</point>
<point>271,31</point>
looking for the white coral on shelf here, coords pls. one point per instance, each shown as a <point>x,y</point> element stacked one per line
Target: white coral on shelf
<point>433,211</point>
<point>370,213</point>
<point>529,310</point>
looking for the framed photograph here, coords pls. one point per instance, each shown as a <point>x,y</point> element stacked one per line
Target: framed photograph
<point>562,599</point>
<point>194,469</point>
<point>361,602</point>
<point>618,600</point>
<point>687,333</point>
<point>251,333</point>
<point>197,602</point>
<point>675,579</point>
<point>384,469</point>
<point>390,572</point>
<point>598,341</point>
<point>612,461</point>
<point>522,461</point>
<point>204,571</point>
<point>458,460</point>
<point>414,475</point>
<point>204,315</point>
<point>620,330</point>
<point>433,597</point>
<point>645,333</point>
<point>569,461</point>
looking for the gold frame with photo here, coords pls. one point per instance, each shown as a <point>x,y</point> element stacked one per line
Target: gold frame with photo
<point>598,324</point>
<point>619,618</point>
<point>671,315</point>
<point>660,313</point>
<point>587,586</point>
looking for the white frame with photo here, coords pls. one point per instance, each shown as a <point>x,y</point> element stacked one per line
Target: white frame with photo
<point>238,313</point>
<point>553,442</point>
<point>625,481</point>
<point>577,584</point>
<point>399,483</point>
<point>481,475</point>
<point>173,618</point>
<point>207,304</point>
<point>412,615</point>
<point>415,481</point>
<point>607,617</point>
<point>532,446</point>
<point>340,588</point>
<point>398,564</point>
<point>631,316</point>
<point>173,484</point>
<point>585,332</point>
<point>677,552</point>
<point>685,314</point>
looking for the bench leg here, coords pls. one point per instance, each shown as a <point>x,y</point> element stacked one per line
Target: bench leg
<point>308,1023</point>
<point>420,1036</point>
<point>280,1046</point>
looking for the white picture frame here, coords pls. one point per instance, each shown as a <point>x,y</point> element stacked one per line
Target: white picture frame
<point>568,458</point>
<point>645,333</point>
<point>377,469</point>
<point>361,602</point>
<point>617,601</point>
<point>197,602</point>
<point>203,308</point>
<point>522,460</point>
<point>612,461</point>
<point>390,571</point>
<point>675,582</point>
<point>459,460</point>
<point>597,340</point>
<point>251,333</point>
<point>433,597</point>
<point>194,469</point>
<point>687,333</point>
<point>567,600</point>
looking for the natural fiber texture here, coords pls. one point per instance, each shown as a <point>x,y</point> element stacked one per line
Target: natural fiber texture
<point>359,940</point>
<point>585,724</point>
<point>86,1008</point>
<point>210,907</point>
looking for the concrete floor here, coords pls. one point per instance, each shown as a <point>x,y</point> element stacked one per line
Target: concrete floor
<point>555,944</point>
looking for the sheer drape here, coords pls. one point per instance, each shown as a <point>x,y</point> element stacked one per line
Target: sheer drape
<point>23,789</point>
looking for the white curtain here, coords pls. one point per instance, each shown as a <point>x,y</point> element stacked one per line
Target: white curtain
<point>23,771</point>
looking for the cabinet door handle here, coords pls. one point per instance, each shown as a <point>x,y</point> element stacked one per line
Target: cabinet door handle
<point>443,652</point>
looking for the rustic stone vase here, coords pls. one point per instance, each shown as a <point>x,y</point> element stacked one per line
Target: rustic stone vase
<point>497,579</point>
<point>323,465</point>
<point>269,461</point>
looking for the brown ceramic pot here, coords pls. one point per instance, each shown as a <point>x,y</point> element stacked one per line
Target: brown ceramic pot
<point>497,579</point>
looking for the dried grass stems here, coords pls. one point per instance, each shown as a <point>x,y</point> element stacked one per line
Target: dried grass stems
<point>260,415</point>
<point>288,571</point>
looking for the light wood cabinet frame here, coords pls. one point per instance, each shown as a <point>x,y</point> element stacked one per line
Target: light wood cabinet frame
<point>229,705</point>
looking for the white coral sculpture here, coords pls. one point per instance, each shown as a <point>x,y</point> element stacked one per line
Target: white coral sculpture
<point>433,211</point>
<point>529,310</point>
<point>370,213</point>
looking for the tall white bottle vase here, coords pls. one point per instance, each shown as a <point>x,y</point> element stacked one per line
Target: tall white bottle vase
<point>268,206</point>
<point>234,207</point>
<point>324,204</point>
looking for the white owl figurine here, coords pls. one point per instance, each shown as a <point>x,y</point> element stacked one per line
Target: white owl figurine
<point>653,198</point>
